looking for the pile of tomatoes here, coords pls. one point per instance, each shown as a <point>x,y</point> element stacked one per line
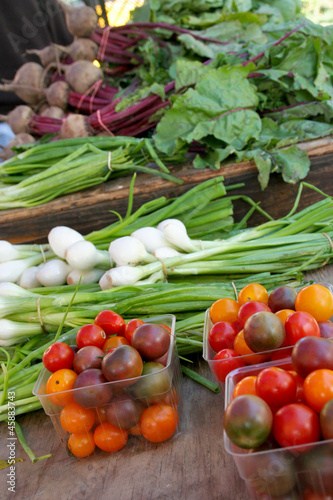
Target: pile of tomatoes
<point>257,326</point>
<point>114,382</point>
<point>287,405</point>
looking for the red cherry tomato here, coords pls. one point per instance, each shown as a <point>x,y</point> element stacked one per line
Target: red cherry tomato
<point>300,324</point>
<point>59,355</point>
<point>296,424</point>
<point>225,361</point>
<point>131,326</point>
<point>276,386</point>
<point>250,308</point>
<point>110,322</point>
<point>90,335</point>
<point>222,335</point>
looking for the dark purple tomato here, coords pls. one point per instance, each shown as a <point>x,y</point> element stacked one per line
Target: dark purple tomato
<point>248,421</point>
<point>87,357</point>
<point>92,389</point>
<point>326,420</point>
<point>123,363</point>
<point>154,382</point>
<point>283,297</point>
<point>264,331</point>
<point>123,411</point>
<point>312,353</point>
<point>318,461</point>
<point>162,359</point>
<point>152,341</point>
<point>273,474</point>
<point>326,329</point>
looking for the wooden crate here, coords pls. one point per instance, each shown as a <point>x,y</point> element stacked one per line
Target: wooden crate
<point>90,209</point>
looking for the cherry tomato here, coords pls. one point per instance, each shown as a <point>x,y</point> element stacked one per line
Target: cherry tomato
<point>299,389</point>
<point>326,420</point>
<point>241,347</point>
<point>245,386</point>
<point>158,423</point>
<point>248,421</point>
<point>225,361</point>
<point>283,297</point>
<point>90,335</point>
<point>250,308</point>
<point>316,300</point>
<point>110,322</point>
<point>296,424</point>
<point>253,291</point>
<point>264,331</point>
<point>113,342</point>
<point>110,438</point>
<point>276,386</point>
<point>81,445</point>
<point>75,419</point>
<point>283,314</point>
<point>300,324</point>
<point>281,353</point>
<point>224,310</point>
<point>123,363</point>
<point>312,353</point>
<point>87,357</point>
<point>222,335</point>
<point>318,388</point>
<point>58,355</point>
<point>60,381</point>
<point>310,494</point>
<point>326,329</point>
<point>131,326</point>
<point>92,389</point>
<point>151,341</point>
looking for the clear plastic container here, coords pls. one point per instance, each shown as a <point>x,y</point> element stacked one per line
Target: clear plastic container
<point>248,359</point>
<point>161,390</point>
<point>297,472</point>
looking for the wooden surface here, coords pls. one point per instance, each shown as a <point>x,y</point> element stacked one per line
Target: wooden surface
<point>194,466</point>
<point>90,210</point>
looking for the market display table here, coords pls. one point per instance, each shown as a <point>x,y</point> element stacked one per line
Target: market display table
<point>193,466</point>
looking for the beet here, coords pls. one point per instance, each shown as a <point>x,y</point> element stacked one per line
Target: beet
<point>53,112</point>
<point>27,83</point>
<point>18,119</point>
<point>74,126</point>
<point>81,75</point>
<point>57,94</point>
<point>19,139</point>
<point>81,49</point>
<point>81,21</point>
<point>47,55</point>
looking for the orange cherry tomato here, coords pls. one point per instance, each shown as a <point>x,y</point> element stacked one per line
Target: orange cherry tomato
<point>253,291</point>
<point>316,300</point>
<point>100,415</point>
<point>113,342</point>
<point>158,423</point>
<point>110,438</point>
<point>245,386</point>
<point>59,386</point>
<point>283,314</point>
<point>135,431</point>
<point>318,388</point>
<point>241,347</point>
<point>75,419</point>
<point>224,310</point>
<point>81,445</point>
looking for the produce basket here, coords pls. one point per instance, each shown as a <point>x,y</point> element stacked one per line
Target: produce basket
<point>292,472</point>
<point>133,406</point>
<point>220,366</point>
<point>247,359</point>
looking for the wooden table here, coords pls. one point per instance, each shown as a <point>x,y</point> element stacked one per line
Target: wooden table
<point>194,466</point>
